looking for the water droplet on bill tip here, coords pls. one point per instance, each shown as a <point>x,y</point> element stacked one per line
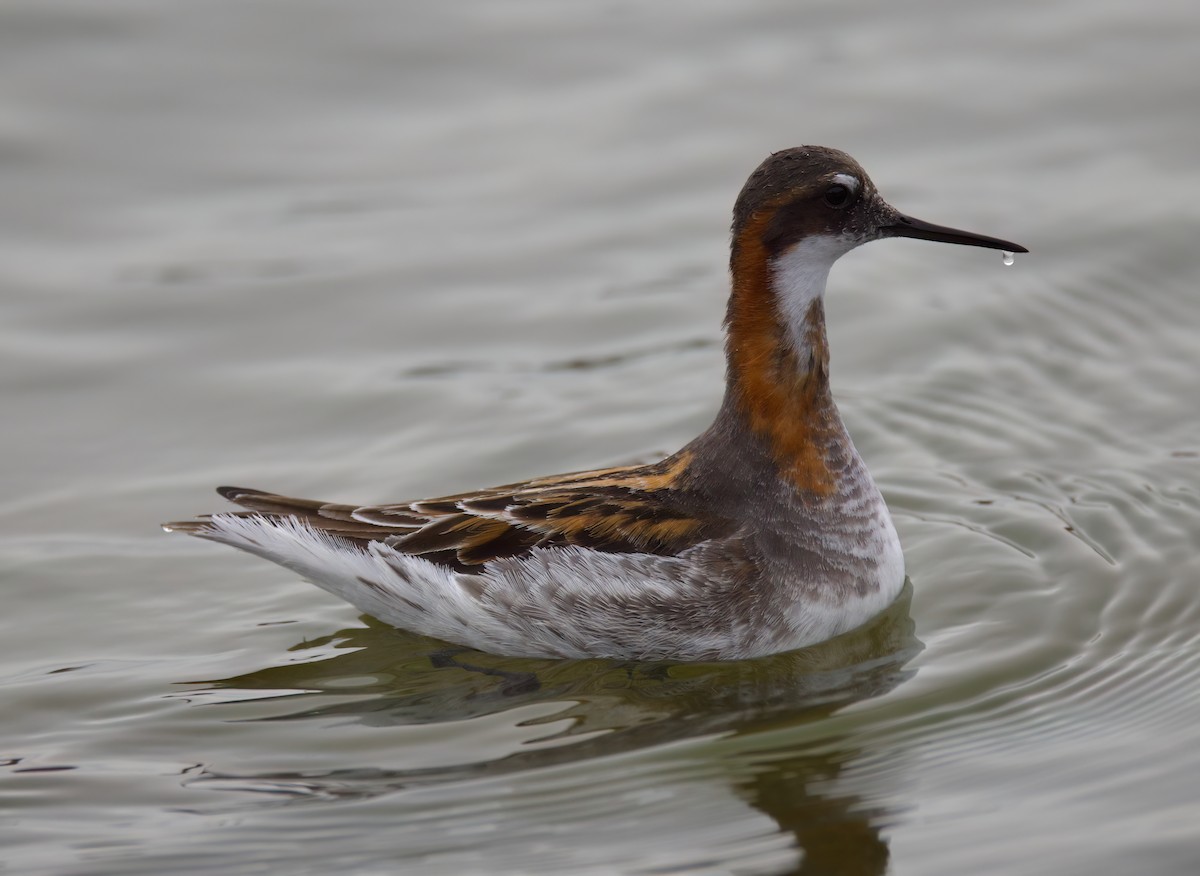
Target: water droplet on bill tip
<point>1008,257</point>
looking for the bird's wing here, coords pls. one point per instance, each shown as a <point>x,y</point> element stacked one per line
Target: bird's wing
<point>635,509</point>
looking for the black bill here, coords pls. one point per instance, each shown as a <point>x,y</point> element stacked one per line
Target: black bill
<point>906,226</point>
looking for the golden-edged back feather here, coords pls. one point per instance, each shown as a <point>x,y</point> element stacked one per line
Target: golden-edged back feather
<point>635,509</point>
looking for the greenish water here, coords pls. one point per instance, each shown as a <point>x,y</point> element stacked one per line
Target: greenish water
<point>364,250</point>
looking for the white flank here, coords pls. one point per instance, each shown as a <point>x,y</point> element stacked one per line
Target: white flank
<point>556,602</point>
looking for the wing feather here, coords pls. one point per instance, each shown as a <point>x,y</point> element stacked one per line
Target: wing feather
<point>640,509</point>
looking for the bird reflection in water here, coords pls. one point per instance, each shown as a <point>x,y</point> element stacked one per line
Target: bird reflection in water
<point>607,708</point>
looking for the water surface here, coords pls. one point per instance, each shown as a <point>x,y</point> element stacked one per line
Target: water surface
<point>363,251</point>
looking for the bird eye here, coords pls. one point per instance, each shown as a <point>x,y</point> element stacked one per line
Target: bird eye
<point>837,196</point>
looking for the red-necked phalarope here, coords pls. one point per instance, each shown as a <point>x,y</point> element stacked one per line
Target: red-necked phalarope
<point>764,534</point>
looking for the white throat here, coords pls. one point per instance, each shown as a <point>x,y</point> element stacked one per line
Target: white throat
<point>800,277</point>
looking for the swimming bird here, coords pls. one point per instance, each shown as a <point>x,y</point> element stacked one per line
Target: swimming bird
<point>764,534</point>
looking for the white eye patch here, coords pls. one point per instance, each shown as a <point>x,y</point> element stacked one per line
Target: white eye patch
<point>850,182</point>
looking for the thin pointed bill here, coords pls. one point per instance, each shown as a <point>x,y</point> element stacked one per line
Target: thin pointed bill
<point>906,226</point>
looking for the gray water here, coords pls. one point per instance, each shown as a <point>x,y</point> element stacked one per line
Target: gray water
<point>369,250</point>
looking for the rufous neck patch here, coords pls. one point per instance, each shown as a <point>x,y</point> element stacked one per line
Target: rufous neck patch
<point>782,392</point>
